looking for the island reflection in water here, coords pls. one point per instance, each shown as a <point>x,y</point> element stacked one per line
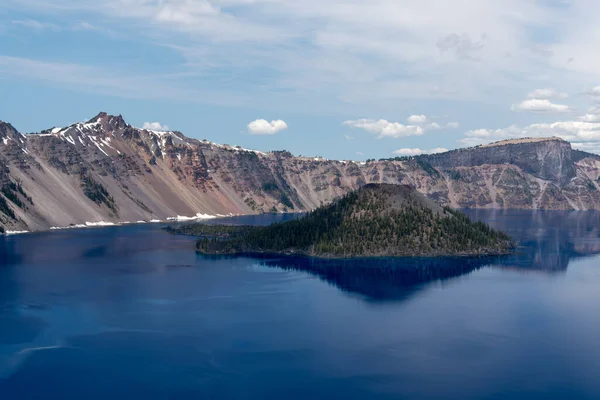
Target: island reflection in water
<point>548,241</point>
<point>375,279</point>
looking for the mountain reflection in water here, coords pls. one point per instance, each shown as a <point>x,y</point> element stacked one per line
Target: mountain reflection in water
<point>548,240</point>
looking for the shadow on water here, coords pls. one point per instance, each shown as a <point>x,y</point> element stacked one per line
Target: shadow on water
<point>377,279</point>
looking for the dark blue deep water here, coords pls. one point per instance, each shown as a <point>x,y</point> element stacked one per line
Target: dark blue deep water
<point>135,313</point>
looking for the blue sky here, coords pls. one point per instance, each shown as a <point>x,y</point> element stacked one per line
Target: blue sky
<point>344,79</point>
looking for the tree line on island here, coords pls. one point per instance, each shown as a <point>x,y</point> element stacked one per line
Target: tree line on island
<point>377,220</point>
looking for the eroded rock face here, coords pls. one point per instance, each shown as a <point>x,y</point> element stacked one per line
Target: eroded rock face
<point>107,170</point>
<point>550,159</point>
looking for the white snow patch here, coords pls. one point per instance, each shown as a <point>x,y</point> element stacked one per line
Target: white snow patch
<point>106,142</point>
<point>89,125</point>
<point>100,148</point>
<point>155,221</point>
<point>75,226</point>
<point>99,223</point>
<point>5,140</point>
<point>15,232</point>
<point>56,130</point>
<point>198,216</point>
<point>239,148</point>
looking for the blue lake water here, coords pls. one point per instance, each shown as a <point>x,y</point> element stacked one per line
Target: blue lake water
<point>133,312</point>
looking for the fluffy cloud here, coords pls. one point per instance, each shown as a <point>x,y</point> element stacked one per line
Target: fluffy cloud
<point>593,115</point>
<point>540,106</point>
<point>417,119</point>
<point>416,152</point>
<point>547,93</point>
<point>155,126</point>
<point>452,125</point>
<point>383,128</point>
<point>594,91</point>
<point>590,118</point>
<point>417,126</point>
<point>264,127</point>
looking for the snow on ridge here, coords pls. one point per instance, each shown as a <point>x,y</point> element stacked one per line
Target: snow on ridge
<point>233,148</point>
<point>89,125</point>
<point>239,148</point>
<point>7,233</point>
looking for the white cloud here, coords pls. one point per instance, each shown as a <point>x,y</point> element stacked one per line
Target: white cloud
<point>417,119</point>
<point>360,153</point>
<point>368,52</point>
<point>594,91</point>
<point>383,128</point>
<point>348,137</point>
<point>593,115</point>
<point>590,118</point>
<point>540,106</point>
<point>155,126</point>
<point>264,127</point>
<point>452,125</point>
<point>416,152</point>
<point>547,93</point>
<point>417,126</point>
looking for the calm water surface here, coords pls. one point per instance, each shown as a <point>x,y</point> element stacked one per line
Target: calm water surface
<point>133,312</point>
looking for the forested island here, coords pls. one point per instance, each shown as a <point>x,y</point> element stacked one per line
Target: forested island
<point>375,221</point>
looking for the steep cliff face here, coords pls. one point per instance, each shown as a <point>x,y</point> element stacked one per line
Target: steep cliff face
<point>105,170</point>
<point>548,159</point>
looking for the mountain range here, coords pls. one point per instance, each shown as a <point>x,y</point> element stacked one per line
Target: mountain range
<point>105,171</point>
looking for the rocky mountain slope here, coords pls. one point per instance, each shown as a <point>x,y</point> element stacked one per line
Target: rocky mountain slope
<point>105,170</point>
